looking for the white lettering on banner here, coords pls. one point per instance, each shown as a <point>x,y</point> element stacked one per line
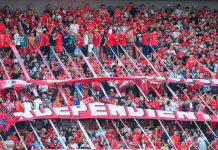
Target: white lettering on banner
<point>62,111</point>
<point>206,117</point>
<point>115,110</point>
<point>186,115</point>
<point>77,109</point>
<point>98,109</point>
<point>151,113</point>
<point>110,111</point>
<point>23,115</point>
<point>135,112</point>
<point>165,114</point>
<point>45,112</point>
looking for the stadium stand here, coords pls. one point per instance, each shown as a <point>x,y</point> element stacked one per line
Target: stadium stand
<point>85,42</point>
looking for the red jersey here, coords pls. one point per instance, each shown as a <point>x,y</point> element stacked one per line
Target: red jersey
<point>118,13</point>
<point>145,39</point>
<point>59,43</point>
<point>80,41</point>
<point>40,41</point>
<point>111,39</point>
<point>153,37</point>
<point>183,147</point>
<point>158,144</point>
<point>96,39</point>
<point>122,39</point>
<point>176,139</point>
<point>190,63</point>
<point>46,40</point>
<point>6,40</point>
<point>18,106</point>
<point>1,40</point>
<point>14,138</point>
<point>29,138</point>
<point>2,27</point>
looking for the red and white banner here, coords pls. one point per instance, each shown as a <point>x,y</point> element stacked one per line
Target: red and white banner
<point>108,111</point>
<point>5,84</point>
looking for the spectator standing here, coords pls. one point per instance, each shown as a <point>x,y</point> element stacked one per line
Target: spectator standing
<point>23,43</point>
<point>96,42</point>
<point>37,103</point>
<point>146,50</point>
<point>90,43</point>
<point>202,142</point>
<point>16,39</point>
<point>9,143</point>
<point>86,43</point>
<point>58,42</point>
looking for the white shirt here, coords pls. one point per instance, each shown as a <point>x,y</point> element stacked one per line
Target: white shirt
<point>37,102</point>
<point>216,67</point>
<point>178,76</point>
<point>43,88</point>
<point>17,39</point>
<point>86,40</point>
<point>172,107</point>
<point>27,107</point>
<point>74,146</point>
<point>175,34</point>
<point>74,28</point>
<point>179,26</point>
<point>124,29</point>
<point>100,134</point>
<point>201,143</point>
<point>9,142</point>
<point>178,12</point>
<point>63,138</point>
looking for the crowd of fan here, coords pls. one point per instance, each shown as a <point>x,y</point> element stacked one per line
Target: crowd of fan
<point>85,42</point>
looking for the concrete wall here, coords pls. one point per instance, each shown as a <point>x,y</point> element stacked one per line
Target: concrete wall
<point>40,4</point>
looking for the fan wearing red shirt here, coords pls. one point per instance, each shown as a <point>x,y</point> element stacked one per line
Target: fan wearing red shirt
<point>46,44</point>
<point>96,42</point>
<point>14,138</point>
<point>176,139</point>
<point>153,38</point>
<point>29,138</point>
<point>122,42</point>
<point>55,144</point>
<point>213,104</point>
<point>111,43</point>
<point>159,143</point>
<point>80,40</point>
<point>190,62</point>
<point>18,105</point>
<point>7,41</point>
<point>183,146</point>
<point>58,42</point>
<point>215,143</point>
<point>1,42</point>
<point>152,104</point>
<point>2,27</point>
<point>118,13</point>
